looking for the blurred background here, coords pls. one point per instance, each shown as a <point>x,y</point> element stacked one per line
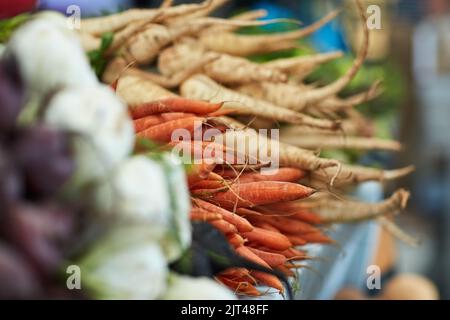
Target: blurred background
<point>411,54</point>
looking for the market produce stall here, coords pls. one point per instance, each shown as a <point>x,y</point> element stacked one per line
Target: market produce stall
<point>151,150</point>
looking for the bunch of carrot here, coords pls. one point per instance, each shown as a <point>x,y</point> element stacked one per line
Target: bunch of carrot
<point>204,80</point>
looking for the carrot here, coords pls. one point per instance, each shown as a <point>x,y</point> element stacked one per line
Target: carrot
<point>146,122</point>
<point>349,211</point>
<point>198,172</point>
<point>244,45</point>
<point>173,105</point>
<point>268,239</point>
<point>241,224</point>
<point>301,214</point>
<point>293,253</point>
<point>207,184</point>
<point>272,259</point>
<point>265,226</point>
<point>286,271</point>
<point>202,87</point>
<point>201,214</point>
<point>223,226</point>
<point>281,174</point>
<point>239,287</point>
<point>255,193</point>
<point>317,237</point>
<point>163,132</point>
<point>235,240</point>
<point>246,15</point>
<point>287,225</point>
<point>296,240</point>
<point>246,253</point>
<point>268,279</point>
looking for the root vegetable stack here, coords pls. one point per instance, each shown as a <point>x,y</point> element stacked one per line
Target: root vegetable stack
<point>179,69</point>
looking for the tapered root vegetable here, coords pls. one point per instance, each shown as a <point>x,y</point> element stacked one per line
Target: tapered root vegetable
<point>344,142</point>
<point>241,224</point>
<point>296,240</point>
<point>198,172</point>
<point>288,156</point>
<point>244,16</point>
<point>246,253</point>
<point>268,280</point>
<point>255,193</point>
<point>272,259</point>
<point>100,25</point>
<point>203,88</point>
<point>293,65</point>
<point>114,22</point>
<point>352,174</point>
<point>350,211</point>
<point>234,70</point>
<point>149,121</point>
<point>203,215</point>
<point>235,240</point>
<point>239,287</point>
<point>173,105</point>
<point>163,132</point>
<point>175,79</point>
<point>316,237</point>
<point>223,226</point>
<point>281,174</point>
<point>245,45</point>
<point>292,97</point>
<point>286,225</point>
<point>136,91</point>
<point>293,210</point>
<point>398,233</point>
<point>269,239</point>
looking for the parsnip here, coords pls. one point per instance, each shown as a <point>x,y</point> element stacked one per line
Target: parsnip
<point>245,45</point>
<point>203,88</point>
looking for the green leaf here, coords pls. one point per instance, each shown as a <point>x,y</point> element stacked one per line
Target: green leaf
<point>7,26</point>
<point>97,57</point>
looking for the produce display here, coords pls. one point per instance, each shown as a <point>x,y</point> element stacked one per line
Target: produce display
<point>188,170</point>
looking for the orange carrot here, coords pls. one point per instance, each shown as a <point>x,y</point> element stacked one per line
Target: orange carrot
<point>268,279</point>
<point>163,132</point>
<point>287,225</point>
<point>268,239</point>
<point>256,193</point>
<point>152,120</point>
<point>173,105</point>
<point>238,273</point>
<point>295,211</point>
<point>265,226</point>
<point>246,253</point>
<point>317,237</point>
<point>239,287</point>
<point>198,172</point>
<point>235,240</point>
<point>146,122</point>
<point>208,184</point>
<point>223,226</point>
<point>282,174</point>
<point>241,224</point>
<point>296,240</point>
<point>272,259</point>
<point>286,271</point>
<point>204,215</point>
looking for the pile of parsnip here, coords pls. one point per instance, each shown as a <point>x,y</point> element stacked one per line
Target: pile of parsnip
<point>176,67</point>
